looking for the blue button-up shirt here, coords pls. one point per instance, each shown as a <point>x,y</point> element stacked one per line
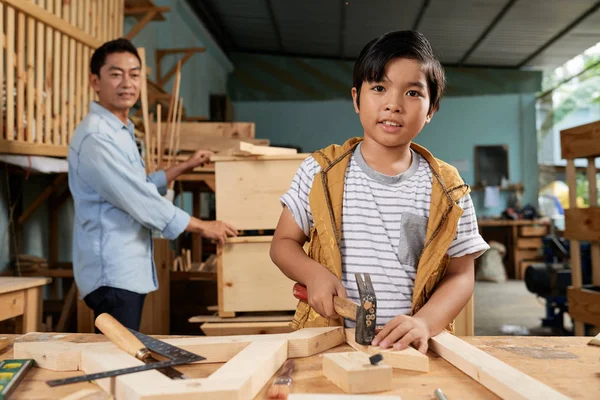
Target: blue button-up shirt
<point>117,206</point>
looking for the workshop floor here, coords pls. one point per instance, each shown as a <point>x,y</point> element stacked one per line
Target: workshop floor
<point>508,309</point>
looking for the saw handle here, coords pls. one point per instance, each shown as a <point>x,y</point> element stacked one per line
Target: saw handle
<point>120,336</point>
<point>344,307</point>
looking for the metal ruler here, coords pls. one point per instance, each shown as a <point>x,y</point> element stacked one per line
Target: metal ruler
<point>176,355</point>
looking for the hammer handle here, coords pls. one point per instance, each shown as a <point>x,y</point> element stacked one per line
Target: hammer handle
<point>344,307</point>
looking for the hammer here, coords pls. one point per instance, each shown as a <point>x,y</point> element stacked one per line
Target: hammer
<point>364,314</point>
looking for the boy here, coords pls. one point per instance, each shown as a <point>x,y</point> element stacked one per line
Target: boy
<point>385,206</point>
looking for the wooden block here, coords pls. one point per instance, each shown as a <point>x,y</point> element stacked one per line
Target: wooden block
<point>244,328</point>
<point>583,224</point>
<point>529,243</point>
<point>249,280</point>
<point>534,230</point>
<point>258,317</point>
<point>409,358</point>
<point>249,189</point>
<point>243,148</point>
<point>584,304</point>
<point>581,141</point>
<point>52,355</point>
<point>500,378</point>
<point>353,373</point>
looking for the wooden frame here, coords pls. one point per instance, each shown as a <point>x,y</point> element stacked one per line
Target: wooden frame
<point>583,224</point>
<point>144,11</point>
<point>252,360</point>
<point>47,46</point>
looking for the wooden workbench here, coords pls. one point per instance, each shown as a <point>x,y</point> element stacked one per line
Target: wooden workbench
<point>22,297</point>
<point>566,364</point>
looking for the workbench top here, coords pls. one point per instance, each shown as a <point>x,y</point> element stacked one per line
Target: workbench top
<point>12,284</point>
<point>567,364</point>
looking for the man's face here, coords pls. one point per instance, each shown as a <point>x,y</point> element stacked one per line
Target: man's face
<point>393,111</point>
<point>118,85</point>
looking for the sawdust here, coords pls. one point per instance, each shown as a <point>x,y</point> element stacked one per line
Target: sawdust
<point>539,352</point>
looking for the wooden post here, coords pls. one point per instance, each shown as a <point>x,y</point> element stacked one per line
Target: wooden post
<point>594,246</point>
<point>10,73</point>
<point>49,86</point>
<point>72,82</point>
<point>39,80</point>
<point>2,66</point>
<point>57,82</point>
<point>64,80</point>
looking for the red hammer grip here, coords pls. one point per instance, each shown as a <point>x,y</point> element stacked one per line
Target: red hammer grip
<point>300,292</point>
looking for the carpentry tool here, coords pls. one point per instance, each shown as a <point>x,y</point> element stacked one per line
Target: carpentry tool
<point>139,346</point>
<point>364,314</point>
<point>12,373</point>
<point>281,386</point>
<point>439,395</point>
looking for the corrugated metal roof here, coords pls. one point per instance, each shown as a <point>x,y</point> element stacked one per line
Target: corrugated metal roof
<point>496,33</point>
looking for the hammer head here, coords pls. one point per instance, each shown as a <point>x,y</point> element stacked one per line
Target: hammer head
<point>367,310</point>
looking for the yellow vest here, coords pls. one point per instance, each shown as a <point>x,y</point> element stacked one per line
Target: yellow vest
<point>325,236</point>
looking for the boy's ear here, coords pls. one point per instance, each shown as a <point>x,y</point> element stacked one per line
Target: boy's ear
<point>355,99</point>
<point>429,116</point>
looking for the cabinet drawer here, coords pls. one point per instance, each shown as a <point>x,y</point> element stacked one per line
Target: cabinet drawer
<point>534,230</point>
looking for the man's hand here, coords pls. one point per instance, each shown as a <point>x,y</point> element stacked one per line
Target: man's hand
<point>199,158</point>
<point>217,230</point>
<point>401,332</point>
<point>321,289</point>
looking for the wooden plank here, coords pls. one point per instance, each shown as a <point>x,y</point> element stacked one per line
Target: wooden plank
<point>30,74</point>
<point>255,317</point>
<point>500,378</point>
<point>353,373</point>
<point>21,74</point>
<point>67,309</point>
<point>144,100</point>
<point>39,80</point>
<point>33,149</point>
<point>236,130</point>
<point>156,313</point>
<point>254,366</point>
<point>10,73</point>
<point>242,149</point>
<point>48,19</point>
<point>12,304</point>
<point>593,193</point>
<point>72,102</point>
<point>407,359</point>
<point>215,143</point>
<point>57,81</point>
<point>583,224</point>
<point>63,112</point>
<point>584,305</point>
<point>321,396</point>
<point>48,83</point>
<point>245,328</point>
<point>250,280</point>
<point>2,78</point>
<point>581,141</point>
<point>238,195</point>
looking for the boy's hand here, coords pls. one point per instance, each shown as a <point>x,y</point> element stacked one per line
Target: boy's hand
<point>321,289</point>
<point>402,331</point>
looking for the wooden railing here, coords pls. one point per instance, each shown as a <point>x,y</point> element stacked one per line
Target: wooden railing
<point>44,64</point>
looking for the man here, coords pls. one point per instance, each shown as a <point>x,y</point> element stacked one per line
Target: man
<point>118,206</point>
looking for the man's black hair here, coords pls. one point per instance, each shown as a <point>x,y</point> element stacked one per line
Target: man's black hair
<point>370,65</point>
<point>114,46</point>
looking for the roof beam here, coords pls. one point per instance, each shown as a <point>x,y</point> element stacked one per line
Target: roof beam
<point>487,30</point>
<point>275,25</point>
<point>420,15</point>
<point>560,34</point>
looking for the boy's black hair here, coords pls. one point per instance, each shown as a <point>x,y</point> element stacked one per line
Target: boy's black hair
<point>370,65</point>
<point>114,46</point>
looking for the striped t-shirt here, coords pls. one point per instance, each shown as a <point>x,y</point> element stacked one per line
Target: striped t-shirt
<point>384,223</point>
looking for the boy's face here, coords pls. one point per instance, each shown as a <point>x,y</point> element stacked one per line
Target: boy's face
<point>393,111</point>
<point>118,85</point>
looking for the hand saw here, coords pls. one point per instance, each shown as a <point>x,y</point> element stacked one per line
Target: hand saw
<point>140,346</point>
